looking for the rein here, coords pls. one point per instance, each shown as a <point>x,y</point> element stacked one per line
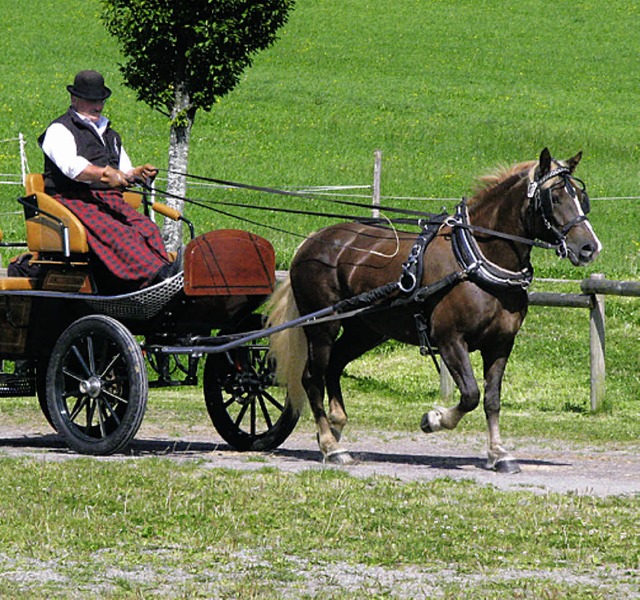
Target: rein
<point>474,264</point>
<point>366,220</point>
<point>268,190</point>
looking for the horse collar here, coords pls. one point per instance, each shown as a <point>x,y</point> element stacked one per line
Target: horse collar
<point>475,264</point>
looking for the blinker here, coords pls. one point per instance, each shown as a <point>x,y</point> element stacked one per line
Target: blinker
<point>572,191</point>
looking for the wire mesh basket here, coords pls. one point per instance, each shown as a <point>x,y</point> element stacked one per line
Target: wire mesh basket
<point>139,305</point>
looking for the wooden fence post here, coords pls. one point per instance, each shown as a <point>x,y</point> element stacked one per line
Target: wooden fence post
<point>447,385</point>
<point>597,347</point>
<point>377,170</point>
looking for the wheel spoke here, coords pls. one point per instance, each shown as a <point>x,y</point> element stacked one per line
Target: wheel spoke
<point>91,408</point>
<point>106,406</point>
<point>81,360</point>
<point>91,355</point>
<point>101,423</point>
<point>110,366</point>
<point>77,407</point>
<point>253,418</point>
<point>115,397</point>
<point>265,412</point>
<point>261,361</point>
<point>272,400</point>
<point>229,402</point>
<point>71,375</point>
<point>240,416</point>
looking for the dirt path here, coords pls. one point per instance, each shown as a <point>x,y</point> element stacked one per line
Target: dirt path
<point>546,467</point>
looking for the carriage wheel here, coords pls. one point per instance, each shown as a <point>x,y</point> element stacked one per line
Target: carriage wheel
<point>247,409</point>
<point>41,388</point>
<point>97,386</point>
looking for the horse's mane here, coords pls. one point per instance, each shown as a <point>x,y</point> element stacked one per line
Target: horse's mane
<point>499,179</point>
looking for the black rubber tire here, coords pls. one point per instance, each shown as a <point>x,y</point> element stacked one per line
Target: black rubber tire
<point>41,388</point>
<point>242,408</point>
<point>97,386</point>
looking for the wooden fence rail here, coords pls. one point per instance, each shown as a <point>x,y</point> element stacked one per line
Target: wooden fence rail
<point>594,290</point>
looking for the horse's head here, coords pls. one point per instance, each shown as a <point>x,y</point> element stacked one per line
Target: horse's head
<point>558,205</point>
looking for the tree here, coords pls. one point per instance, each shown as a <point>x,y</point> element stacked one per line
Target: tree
<point>182,55</point>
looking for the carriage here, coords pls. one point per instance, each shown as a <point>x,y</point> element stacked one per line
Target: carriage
<point>456,287</point>
<point>90,358</point>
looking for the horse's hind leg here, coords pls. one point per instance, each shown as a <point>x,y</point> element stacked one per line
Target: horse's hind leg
<point>320,342</point>
<point>355,340</point>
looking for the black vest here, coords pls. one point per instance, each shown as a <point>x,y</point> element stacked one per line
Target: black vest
<point>89,146</point>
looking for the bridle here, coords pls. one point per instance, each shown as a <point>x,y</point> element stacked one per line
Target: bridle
<point>542,200</point>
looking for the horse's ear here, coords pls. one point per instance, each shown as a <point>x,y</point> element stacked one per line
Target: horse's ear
<point>572,163</point>
<point>545,163</point>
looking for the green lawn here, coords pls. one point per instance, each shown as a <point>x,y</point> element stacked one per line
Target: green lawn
<point>447,91</point>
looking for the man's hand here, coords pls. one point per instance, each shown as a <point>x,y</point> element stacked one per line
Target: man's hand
<point>143,172</point>
<point>114,178</point>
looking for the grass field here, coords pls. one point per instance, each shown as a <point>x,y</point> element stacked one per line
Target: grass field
<point>447,91</point>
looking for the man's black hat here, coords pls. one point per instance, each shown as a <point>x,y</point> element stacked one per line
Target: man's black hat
<point>89,85</point>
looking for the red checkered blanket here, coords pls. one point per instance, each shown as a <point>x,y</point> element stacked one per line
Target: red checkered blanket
<point>128,243</point>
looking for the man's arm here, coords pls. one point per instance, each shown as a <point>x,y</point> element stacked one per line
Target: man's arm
<point>60,146</point>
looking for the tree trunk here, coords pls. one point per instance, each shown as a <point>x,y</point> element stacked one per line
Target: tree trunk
<point>182,117</point>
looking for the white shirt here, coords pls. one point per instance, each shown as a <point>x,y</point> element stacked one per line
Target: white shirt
<point>60,146</point>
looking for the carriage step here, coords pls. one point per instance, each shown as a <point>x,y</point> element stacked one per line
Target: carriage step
<point>16,385</point>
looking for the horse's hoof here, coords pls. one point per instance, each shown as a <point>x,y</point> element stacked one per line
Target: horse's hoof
<point>338,457</point>
<point>431,422</point>
<point>509,466</point>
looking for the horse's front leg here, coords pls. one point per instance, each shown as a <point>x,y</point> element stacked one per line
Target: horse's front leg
<point>456,357</point>
<point>495,362</point>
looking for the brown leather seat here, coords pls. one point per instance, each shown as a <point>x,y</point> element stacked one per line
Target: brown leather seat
<point>45,231</point>
<point>17,283</point>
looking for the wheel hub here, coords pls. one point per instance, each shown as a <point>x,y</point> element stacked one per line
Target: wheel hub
<point>92,386</point>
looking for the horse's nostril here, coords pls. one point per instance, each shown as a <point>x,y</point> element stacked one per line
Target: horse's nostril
<point>587,251</point>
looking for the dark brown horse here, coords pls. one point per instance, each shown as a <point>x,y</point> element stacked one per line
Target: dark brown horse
<point>470,294</point>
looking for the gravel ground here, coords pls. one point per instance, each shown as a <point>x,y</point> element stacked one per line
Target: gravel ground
<point>546,466</point>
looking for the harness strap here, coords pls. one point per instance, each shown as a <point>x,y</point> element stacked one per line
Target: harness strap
<point>423,293</point>
<point>366,298</point>
<point>534,185</point>
<point>412,268</point>
<point>426,348</point>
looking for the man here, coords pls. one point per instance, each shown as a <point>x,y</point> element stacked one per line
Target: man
<point>86,168</point>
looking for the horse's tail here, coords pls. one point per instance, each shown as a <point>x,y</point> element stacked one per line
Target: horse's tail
<point>288,347</point>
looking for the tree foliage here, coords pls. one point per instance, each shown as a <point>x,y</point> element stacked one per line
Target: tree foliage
<point>200,46</point>
<point>182,55</point>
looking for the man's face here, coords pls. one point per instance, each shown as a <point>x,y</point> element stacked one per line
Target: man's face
<point>92,109</point>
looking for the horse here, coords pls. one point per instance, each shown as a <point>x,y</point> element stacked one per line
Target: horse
<point>469,294</point>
